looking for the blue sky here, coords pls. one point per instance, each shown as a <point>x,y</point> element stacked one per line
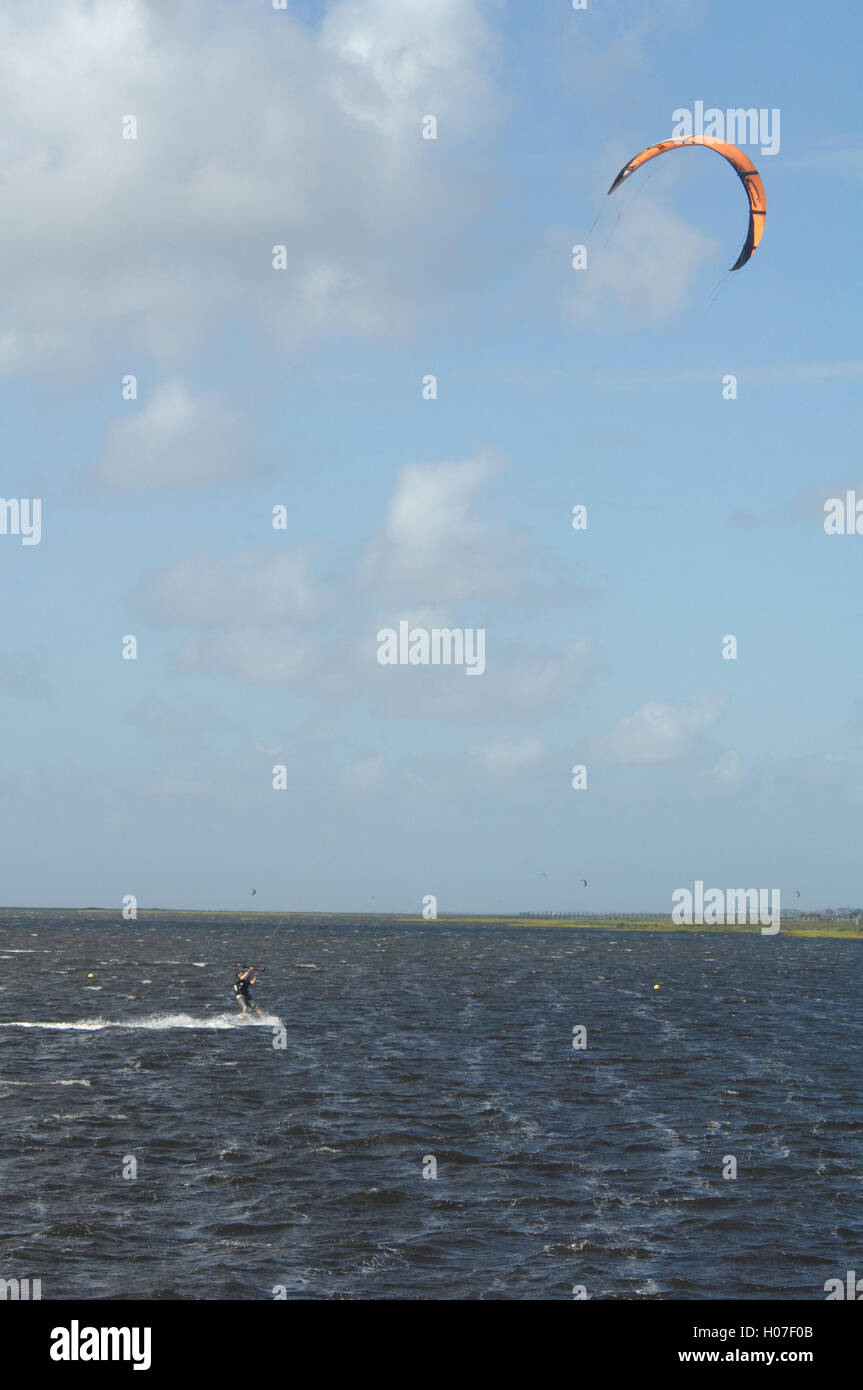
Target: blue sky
<point>302,387</point>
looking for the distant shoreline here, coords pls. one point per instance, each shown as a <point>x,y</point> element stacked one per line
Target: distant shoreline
<point>802,927</point>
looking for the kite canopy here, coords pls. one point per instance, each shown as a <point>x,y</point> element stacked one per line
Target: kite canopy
<point>742,164</point>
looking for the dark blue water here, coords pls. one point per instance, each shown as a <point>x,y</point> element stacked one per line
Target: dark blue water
<point>302,1167</point>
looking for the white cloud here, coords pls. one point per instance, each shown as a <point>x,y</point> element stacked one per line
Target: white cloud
<point>277,657</point>
<point>658,733</point>
<point>651,258</point>
<point>728,770</point>
<point>246,590</point>
<point>519,683</point>
<point>389,57</point>
<point>180,725</point>
<point>253,130</point>
<point>539,680</point>
<point>174,440</point>
<point>504,757</point>
<point>431,548</point>
<point>363,774</point>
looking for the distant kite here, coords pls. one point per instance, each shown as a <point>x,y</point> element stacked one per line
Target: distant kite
<point>254,891</point>
<point>744,168</point>
<point>583,882</point>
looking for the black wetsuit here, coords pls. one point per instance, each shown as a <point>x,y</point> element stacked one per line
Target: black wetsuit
<point>241,990</point>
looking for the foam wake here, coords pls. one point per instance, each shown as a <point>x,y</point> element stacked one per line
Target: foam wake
<point>156,1022</point>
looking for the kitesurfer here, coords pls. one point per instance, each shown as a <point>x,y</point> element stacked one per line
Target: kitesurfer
<point>241,988</point>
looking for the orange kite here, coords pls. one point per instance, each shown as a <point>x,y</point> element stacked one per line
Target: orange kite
<point>746,172</point>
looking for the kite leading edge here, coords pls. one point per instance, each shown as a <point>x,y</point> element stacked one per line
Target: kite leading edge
<point>743,167</point>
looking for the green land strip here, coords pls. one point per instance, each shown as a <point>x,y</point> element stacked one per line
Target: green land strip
<point>840,929</point>
<point>803,927</point>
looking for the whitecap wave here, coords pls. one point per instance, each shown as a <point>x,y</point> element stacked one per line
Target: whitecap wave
<point>154,1022</point>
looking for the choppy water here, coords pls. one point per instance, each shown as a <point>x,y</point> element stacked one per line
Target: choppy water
<point>303,1167</point>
